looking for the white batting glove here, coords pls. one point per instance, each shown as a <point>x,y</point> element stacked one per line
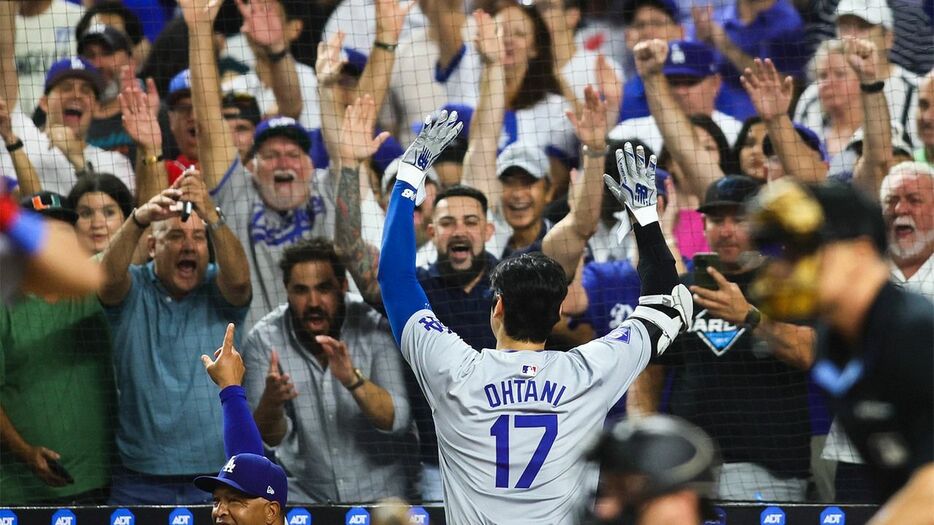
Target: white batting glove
<point>636,190</point>
<point>439,130</point>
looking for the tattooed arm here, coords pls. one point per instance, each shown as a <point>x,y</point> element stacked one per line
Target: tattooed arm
<point>355,146</point>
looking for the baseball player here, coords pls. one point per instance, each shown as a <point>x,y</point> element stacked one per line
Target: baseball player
<point>249,489</point>
<point>511,420</point>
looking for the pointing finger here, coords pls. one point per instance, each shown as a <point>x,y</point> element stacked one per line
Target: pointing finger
<point>274,363</point>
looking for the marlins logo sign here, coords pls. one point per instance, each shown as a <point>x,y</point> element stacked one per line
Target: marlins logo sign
<point>717,334</point>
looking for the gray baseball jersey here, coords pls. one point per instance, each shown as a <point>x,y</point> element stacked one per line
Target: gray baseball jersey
<point>513,425</point>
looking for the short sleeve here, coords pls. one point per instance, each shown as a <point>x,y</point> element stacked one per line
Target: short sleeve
<point>461,78</point>
<point>617,358</point>
<point>438,356</point>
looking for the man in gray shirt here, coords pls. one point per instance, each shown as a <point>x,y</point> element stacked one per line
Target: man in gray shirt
<point>326,383</point>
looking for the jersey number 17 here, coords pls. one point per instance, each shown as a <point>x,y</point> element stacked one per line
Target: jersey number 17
<point>500,431</point>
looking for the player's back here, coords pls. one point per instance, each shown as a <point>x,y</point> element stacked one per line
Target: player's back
<point>512,425</point>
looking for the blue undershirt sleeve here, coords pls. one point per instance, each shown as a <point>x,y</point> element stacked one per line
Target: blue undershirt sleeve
<point>240,432</point>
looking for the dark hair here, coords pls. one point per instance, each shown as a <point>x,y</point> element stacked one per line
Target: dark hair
<point>308,250</point>
<point>540,78</point>
<point>728,163</point>
<point>532,286</point>
<point>743,133</point>
<point>104,183</point>
<point>131,23</point>
<point>459,190</point>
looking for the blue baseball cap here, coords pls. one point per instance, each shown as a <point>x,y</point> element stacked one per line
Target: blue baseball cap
<point>670,7</point>
<point>690,59</point>
<point>281,127</point>
<point>355,62</point>
<point>732,191</point>
<point>807,135</point>
<point>179,87</point>
<point>251,474</point>
<point>74,67</point>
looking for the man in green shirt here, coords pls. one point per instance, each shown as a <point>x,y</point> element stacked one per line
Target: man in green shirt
<point>56,391</point>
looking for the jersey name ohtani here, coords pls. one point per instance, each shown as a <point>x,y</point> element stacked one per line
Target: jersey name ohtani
<point>514,391</point>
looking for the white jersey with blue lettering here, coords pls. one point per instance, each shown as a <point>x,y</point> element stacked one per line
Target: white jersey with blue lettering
<point>513,426</point>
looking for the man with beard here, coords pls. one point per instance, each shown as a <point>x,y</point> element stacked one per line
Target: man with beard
<point>163,314</point>
<point>327,386</point>
<point>925,116</point>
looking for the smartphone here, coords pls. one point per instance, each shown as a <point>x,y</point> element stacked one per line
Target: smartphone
<point>702,261</point>
<point>59,470</point>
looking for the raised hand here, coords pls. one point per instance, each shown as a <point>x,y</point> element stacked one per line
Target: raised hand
<point>769,92</point>
<point>279,388</point>
<point>356,137</point>
<point>227,367</point>
<point>162,206</point>
<point>390,19</point>
<point>610,86</point>
<point>197,12</point>
<point>488,41</point>
<point>68,142</point>
<point>338,359</point>
<point>650,57</point>
<point>193,189</point>
<point>439,130</point>
<point>329,61</point>
<point>861,55</point>
<point>140,115</point>
<point>704,26</point>
<point>590,126</point>
<point>263,24</point>
<point>636,189</point>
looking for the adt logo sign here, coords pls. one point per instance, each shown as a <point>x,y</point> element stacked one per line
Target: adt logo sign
<point>772,516</point>
<point>122,517</point>
<point>833,516</point>
<point>358,516</point>
<point>64,517</point>
<point>8,517</point>
<point>418,516</point>
<point>181,516</point>
<point>721,517</point>
<point>298,516</point>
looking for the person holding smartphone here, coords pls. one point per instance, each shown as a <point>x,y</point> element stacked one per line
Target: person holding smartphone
<point>738,376</point>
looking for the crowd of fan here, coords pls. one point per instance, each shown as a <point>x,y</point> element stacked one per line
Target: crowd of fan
<point>276,125</point>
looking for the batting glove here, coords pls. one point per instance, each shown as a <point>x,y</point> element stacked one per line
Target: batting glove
<point>636,190</point>
<point>439,130</point>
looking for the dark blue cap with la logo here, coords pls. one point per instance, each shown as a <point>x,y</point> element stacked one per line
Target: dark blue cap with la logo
<point>251,474</point>
<point>281,127</point>
<point>689,59</point>
<point>74,67</point>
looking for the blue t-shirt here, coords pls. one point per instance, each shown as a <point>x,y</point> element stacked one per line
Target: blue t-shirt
<point>169,419</point>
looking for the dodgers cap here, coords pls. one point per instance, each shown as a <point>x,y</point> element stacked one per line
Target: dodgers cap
<point>690,59</point>
<point>74,67</point>
<point>281,127</point>
<point>251,474</point>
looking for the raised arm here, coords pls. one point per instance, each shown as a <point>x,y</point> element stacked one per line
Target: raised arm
<point>566,241</point>
<point>356,145</point>
<point>140,110</point>
<point>710,31</point>
<point>771,95</point>
<point>446,21</point>
<point>233,269</point>
<point>26,175</point>
<point>390,19</point>
<point>699,166</point>
<point>264,25</point>
<point>877,155</point>
<point>9,80</point>
<point>216,150</point>
<point>119,253</point>
<point>227,370</point>
<point>665,307</point>
<point>487,121</point>
<point>402,293</point>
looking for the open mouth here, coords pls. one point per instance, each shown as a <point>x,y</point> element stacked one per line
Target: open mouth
<point>72,116</point>
<point>904,230</point>
<point>187,268</point>
<point>193,133</point>
<point>517,207</point>
<point>283,178</point>
<point>459,251</point>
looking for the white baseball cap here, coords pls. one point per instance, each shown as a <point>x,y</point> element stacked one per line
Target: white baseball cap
<point>875,12</point>
<point>530,158</point>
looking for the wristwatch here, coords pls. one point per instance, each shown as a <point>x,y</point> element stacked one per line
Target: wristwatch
<point>594,153</point>
<point>221,220</point>
<point>359,382</point>
<point>753,318</point>
<point>152,159</point>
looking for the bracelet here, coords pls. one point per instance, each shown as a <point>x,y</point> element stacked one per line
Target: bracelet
<point>136,221</point>
<point>383,45</point>
<point>18,145</point>
<point>595,153</point>
<point>875,87</point>
<point>275,58</point>
<point>357,384</point>
<point>753,318</point>
<point>152,159</point>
